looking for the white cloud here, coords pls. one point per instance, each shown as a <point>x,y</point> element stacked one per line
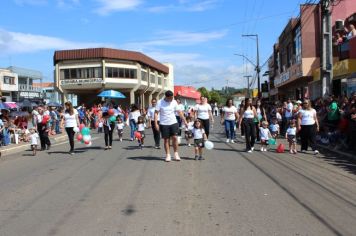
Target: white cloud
<point>185,5</point>
<point>176,38</point>
<point>108,6</point>
<point>67,3</point>
<point>15,42</point>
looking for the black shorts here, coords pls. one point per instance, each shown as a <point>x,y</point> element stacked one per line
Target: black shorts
<point>188,134</point>
<point>199,143</point>
<point>168,131</point>
<point>291,139</point>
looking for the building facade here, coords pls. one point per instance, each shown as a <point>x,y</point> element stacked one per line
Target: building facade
<point>188,95</point>
<point>8,84</point>
<point>87,72</point>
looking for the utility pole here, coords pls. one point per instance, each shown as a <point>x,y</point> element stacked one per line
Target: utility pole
<point>326,55</point>
<point>248,84</point>
<point>258,69</point>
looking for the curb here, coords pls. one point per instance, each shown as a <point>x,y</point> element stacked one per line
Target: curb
<point>7,151</point>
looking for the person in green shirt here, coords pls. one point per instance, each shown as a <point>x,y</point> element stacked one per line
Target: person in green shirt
<point>333,112</point>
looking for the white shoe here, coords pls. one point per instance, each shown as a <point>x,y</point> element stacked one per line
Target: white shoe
<point>249,151</point>
<point>232,141</point>
<point>168,158</point>
<point>227,140</point>
<point>316,152</point>
<point>176,156</point>
<point>262,149</point>
<point>189,145</point>
<point>243,136</point>
<point>253,148</point>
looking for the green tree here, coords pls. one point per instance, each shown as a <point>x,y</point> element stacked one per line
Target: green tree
<point>215,97</point>
<point>204,92</point>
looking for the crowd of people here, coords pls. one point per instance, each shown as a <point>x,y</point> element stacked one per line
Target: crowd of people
<point>330,121</point>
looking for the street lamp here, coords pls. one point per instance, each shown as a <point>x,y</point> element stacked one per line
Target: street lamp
<point>258,69</point>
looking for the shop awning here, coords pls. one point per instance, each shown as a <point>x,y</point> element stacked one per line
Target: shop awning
<point>186,91</point>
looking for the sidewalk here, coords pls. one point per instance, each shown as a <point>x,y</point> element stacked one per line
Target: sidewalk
<point>16,148</point>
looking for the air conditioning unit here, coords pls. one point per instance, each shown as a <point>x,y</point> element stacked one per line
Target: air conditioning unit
<point>339,25</point>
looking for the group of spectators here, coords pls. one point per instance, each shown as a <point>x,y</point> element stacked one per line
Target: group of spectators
<point>341,37</point>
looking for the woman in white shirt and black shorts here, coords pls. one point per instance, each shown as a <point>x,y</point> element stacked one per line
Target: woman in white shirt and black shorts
<point>71,121</point>
<point>204,114</point>
<point>308,126</point>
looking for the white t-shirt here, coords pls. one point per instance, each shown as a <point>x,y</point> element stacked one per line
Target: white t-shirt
<point>264,133</point>
<point>291,131</point>
<point>203,111</point>
<point>34,139</point>
<point>180,107</point>
<point>151,113</point>
<point>230,112</point>
<point>134,115</point>
<point>120,125</point>
<point>198,133</point>
<point>278,116</point>
<point>167,112</point>
<point>308,117</point>
<point>190,126</point>
<point>101,124</point>
<point>70,121</point>
<point>289,114</point>
<point>141,127</point>
<point>248,114</point>
<point>274,127</point>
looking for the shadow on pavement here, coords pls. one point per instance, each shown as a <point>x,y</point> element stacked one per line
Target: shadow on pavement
<point>89,148</point>
<point>145,158</point>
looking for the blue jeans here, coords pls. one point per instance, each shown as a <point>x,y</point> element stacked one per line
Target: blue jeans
<point>133,128</point>
<point>57,127</point>
<point>230,129</point>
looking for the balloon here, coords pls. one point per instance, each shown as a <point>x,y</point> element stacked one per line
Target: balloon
<point>81,126</point>
<point>208,145</point>
<point>111,112</point>
<point>112,118</point>
<point>86,142</point>
<point>85,131</point>
<point>138,135</point>
<point>179,139</point>
<point>76,129</point>
<point>86,138</point>
<point>79,137</point>
<point>89,144</point>
<point>280,148</point>
<point>272,141</point>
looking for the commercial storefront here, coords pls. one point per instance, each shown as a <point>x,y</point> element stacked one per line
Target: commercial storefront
<point>87,72</point>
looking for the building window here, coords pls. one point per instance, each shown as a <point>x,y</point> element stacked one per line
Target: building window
<point>152,78</point>
<point>81,73</point>
<point>112,72</point>
<point>143,75</point>
<point>160,80</point>
<point>9,80</point>
<point>298,45</point>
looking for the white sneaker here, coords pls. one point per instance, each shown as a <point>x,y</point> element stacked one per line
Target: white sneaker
<point>249,151</point>
<point>262,149</point>
<point>242,136</point>
<point>253,148</point>
<point>316,152</point>
<point>168,158</point>
<point>189,145</point>
<point>176,156</point>
<point>232,141</point>
<point>227,140</point>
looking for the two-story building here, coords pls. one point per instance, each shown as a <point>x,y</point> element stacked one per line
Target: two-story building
<point>8,84</point>
<point>87,72</point>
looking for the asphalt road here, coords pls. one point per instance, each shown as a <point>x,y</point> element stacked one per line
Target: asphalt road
<point>127,191</point>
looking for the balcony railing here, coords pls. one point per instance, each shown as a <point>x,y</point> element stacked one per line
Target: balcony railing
<point>30,88</point>
<point>345,50</point>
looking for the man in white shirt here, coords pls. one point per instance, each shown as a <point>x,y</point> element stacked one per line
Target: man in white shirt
<point>168,124</point>
<point>151,116</point>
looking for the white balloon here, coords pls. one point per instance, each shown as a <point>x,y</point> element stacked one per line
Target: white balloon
<point>179,139</point>
<point>76,129</point>
<point>86,138</point>
<point>208,145</point>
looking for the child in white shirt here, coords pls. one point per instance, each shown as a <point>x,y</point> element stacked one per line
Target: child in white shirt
<point>274,128</point>
<point>120,128</point>
<point>141,125</point>
<point>188,130</point>
<point>291,137</point>
<point>100,125</point>
<point>199,137</point>
<point>265,134</point>
<point>33,141</point>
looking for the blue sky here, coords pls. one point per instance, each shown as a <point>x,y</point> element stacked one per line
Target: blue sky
<point>199,37</point>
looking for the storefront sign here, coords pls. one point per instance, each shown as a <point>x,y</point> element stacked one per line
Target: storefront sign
<point>29,94</point>
<point>81,81</point>
<point>282,78</point>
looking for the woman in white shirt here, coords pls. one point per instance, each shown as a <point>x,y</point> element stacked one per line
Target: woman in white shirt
<point>71,121</point>
<point>229,116</point>
<point>133,117</point>
<point>247,115</point>
<point>204,114</point>
<point>308,126</point>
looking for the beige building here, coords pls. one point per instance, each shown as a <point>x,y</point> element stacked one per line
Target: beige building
<point>87,72</point>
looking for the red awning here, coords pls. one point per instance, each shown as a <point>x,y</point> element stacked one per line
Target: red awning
<point>186,91</point>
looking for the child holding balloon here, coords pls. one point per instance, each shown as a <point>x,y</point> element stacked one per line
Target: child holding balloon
<point>120,127</point>
<point>199,138</point>
<point>141,125</point>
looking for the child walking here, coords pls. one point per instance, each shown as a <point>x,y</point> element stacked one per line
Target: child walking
<point>291,137</point>
<point>199,137</point>
<point>274,128</point>
<point>265,134</point>
<point>141,125</point>
<point>100,125</point>
<point>34,141</point>
<point>120,128</point>
<point>188,130</point>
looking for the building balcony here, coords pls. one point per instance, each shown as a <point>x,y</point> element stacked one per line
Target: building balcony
<point>346,50</point>
<point>29,88</point>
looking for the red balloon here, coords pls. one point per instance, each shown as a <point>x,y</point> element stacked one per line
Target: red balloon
<point>111,112</point>
<point>280,148</point>
<point>138,135</point>
<point>79,137</point>
<point>81,126</point>
<point>86,142</point>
